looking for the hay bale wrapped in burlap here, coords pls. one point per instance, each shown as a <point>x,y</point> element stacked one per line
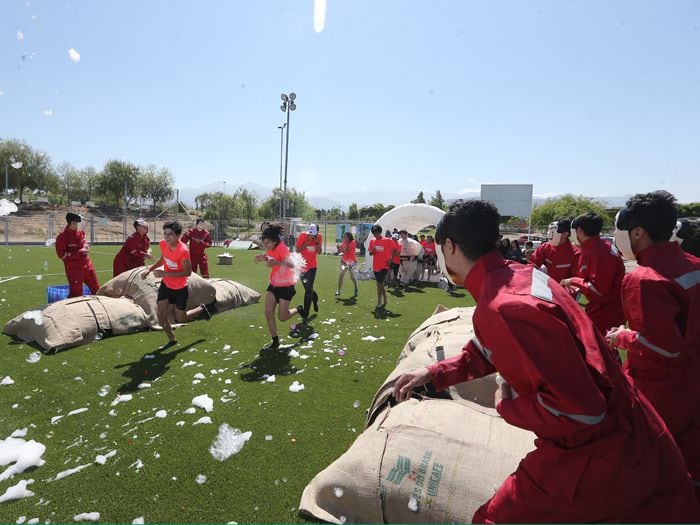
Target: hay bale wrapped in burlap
<point>230,294</point>
<point>425,460</point>
<point>76,321</point>
<point>144,292</point>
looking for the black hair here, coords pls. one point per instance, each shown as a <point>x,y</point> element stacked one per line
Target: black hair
<point>472,225</point>
<point>376,229</point>
<point>349,236</point>
<point>591,223</point>
<point>273,232</point>
<point>174,226</point>
<point>73,217</point>
<point>564,226</point>
<point>656,212</point>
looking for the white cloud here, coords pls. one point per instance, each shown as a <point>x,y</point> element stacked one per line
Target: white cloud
<point>74,55</point>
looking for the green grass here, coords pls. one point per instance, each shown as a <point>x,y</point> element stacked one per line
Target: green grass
<point>263,482</point>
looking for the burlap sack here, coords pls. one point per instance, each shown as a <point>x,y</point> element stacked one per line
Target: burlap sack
<point>144,292</point>
<point>430,461</point>
<point>76,321</point>
<point>230,294</point>
<point>449,455</point>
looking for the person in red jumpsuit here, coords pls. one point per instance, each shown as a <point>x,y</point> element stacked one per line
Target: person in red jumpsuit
<point>73,250</point>
<point>135,251</point>
<point>599,273</point>
<point>602,453</point>
<point>559,256</point>
<point>199,240</point>
<point>661,299</point>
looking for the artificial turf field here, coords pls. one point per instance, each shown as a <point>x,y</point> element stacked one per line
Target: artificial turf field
<point>157,462</point>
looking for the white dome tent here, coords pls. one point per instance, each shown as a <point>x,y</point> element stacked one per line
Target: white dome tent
<point>411,217</point>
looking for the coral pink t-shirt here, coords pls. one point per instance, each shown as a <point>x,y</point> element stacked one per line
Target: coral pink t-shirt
<point>348,249</point>
<point>173,263</point>
<point>280,275</point>
<point>309,252</point>
<point>381,252</point>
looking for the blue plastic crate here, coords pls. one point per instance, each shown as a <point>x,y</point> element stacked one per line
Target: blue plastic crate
<point>60,291</point>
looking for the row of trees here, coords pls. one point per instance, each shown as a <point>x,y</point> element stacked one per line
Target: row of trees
<point>117,184</point>
<point>121,183</point>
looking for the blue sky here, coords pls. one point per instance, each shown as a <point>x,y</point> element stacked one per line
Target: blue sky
<point>589,97</point>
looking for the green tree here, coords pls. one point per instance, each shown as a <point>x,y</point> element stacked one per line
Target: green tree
<point>420,199</point>
<point>691,209</point>
<point>201,201</point>
<point>297,205</point>
<point>247,203</point>
<point>156,185</point>
<point>373,212</point>
<point>118,182</point>
<point>353,212</point>
<point>70,184</point>
<point>567,206</point>
<point>88,180</point>
<point>437,200</point>
<point>27,168</point>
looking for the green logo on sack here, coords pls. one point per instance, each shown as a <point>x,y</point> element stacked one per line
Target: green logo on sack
<point>403,467</point>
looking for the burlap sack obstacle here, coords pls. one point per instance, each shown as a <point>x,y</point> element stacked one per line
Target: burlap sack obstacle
<point>77,321</point>
<point>226,294</point>
<point>425,460</point>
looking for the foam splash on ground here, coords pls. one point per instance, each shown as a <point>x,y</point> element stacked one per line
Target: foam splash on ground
<point>229,441</point>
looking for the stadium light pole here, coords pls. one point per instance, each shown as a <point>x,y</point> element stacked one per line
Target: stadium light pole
<point>287,106</point>
<point>281,128</point>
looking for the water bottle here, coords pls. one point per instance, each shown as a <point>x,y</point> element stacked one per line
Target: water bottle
<point>46,266</point>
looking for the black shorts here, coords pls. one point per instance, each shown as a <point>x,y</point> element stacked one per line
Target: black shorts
<point>282,292</point>
<point>176,297</point>
<point>381,275</point>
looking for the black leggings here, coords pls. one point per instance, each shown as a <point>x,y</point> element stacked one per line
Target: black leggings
<point>307,279</point>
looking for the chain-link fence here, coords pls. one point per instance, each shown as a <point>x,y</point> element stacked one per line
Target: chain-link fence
<point>40,227</point>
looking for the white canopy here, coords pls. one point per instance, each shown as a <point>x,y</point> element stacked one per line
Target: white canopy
<point>411,217</point>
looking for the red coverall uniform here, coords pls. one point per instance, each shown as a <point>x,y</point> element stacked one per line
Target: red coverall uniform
<point>198,240</point>
<point>78,265</point>
<point>132,254</point>
<point>661,299</point>
<point>599,278</point>
<point>561,261</point>
<point>602,453</point>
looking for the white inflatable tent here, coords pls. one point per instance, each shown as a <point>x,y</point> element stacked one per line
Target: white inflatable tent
<point>411,217</point>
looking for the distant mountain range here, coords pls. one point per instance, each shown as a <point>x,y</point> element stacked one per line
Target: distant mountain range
<point>362,197</point>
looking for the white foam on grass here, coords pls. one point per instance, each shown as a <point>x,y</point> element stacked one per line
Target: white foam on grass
<point>17,491</point>
<point>138,521</point>
<point>87,516</point>
<point>77,411</point>
<point>7,380</point>
<point>102,459</point>
<point>205,420</point>
<point>372,338</point>
<point>122,398</point>
<point>204,401</point>
<point>228,442</point>
<point>296,387</point>
<point>34,357</point>
<point>20,455</point>
<point>161,414</point>
<point>71,471</point>
<point>199,375</point>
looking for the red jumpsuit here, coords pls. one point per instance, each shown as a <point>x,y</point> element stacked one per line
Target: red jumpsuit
<point>662,305</point>
<point>599,278</point>
<point>561,261</point>
<point>198,240</point>
<point>78,265</point>
<point>132,254</point>
<point>602,453</point>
